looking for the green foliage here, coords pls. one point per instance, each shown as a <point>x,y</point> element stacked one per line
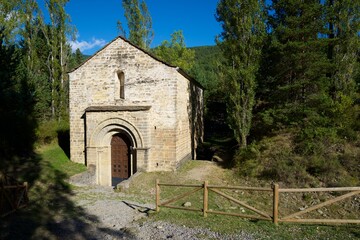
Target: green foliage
<point>9,20</point>
<point>307,89</point>
<point>241,43</point>
<point>139,23</point>
<point>266,160</point>
<point>47,132</point>
<point>343,50</point>
<point>55,33</point>
<point>17,121</point>
<point>75,59</point>
<point>175,52</point>
<point>206,69</point>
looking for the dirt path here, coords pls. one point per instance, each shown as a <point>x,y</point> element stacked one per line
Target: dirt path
<point>204,172</point>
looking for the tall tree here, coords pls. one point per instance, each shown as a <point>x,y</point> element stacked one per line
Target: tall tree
<point>56,38</point>
<point>10,20</point>
<point>35,52</point>
<point>17,122</point>
<point>344,26</point>
<point>298,76</point>
<point>139,23</point>
<point>29,31</point>
<point>175,52</point>
<point>241,42</point>
<point>344,47</point>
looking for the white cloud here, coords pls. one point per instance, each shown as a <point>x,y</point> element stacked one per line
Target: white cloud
<point>86,45</point>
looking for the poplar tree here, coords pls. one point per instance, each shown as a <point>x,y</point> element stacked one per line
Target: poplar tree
<point>56,39</point>
<point>241,42</point>
<point>10,18</point>
<point>139,23</point>
<point>35,52</point>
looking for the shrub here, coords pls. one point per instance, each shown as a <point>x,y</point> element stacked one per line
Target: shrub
<point>247,161</point>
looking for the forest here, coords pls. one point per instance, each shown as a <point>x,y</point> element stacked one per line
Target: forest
<point>282,82</point>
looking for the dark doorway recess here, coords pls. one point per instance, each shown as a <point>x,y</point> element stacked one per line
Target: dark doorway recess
<point>120,158</point>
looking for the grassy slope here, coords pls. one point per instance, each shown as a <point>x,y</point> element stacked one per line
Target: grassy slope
<point>56,157</point>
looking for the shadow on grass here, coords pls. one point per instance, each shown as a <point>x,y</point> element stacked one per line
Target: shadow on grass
<point>51,213</point>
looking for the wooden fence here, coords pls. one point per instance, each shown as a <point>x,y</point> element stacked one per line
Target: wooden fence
<point>13,195</point>
<point>275,192</point>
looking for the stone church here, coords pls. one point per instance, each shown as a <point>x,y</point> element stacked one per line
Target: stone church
<point>131,112</point>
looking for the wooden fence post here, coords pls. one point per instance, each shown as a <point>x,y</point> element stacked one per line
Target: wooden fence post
<point>157,193</point>
<point>205,198</point>
<point>275,203</point>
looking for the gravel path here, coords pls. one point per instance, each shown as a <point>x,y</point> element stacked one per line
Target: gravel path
<point>111,217</point>
<point>164,230</point>
<point>114,218</point>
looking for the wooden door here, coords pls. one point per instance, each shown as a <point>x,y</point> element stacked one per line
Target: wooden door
<point>120,157</point>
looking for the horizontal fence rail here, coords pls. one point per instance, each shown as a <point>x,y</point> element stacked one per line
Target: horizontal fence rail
<point>292,217</point>
<point>275,192</point>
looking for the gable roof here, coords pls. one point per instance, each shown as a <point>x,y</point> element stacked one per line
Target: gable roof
<point>181,71</point>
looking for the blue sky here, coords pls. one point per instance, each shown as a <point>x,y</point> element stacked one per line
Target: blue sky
<point>96,20</point>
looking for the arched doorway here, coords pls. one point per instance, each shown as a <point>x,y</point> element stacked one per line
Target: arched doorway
<point>121,167</point>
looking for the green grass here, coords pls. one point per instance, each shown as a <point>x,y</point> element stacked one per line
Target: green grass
<point>258,229</point>
<point>56,157</point>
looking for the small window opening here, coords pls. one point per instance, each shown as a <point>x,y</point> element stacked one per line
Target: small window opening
<point>121,78</point>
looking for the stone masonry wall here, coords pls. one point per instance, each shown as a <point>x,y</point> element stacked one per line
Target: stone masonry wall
<point>189,119</point>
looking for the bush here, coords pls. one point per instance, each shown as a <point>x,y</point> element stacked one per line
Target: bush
<point>247,161</point>
<point>273,159</point>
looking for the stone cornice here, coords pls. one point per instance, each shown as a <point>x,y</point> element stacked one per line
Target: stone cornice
<point>117,108</point>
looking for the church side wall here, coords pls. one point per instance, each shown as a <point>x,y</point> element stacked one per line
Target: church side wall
<point>183,137</point>
<point>189,119</point>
